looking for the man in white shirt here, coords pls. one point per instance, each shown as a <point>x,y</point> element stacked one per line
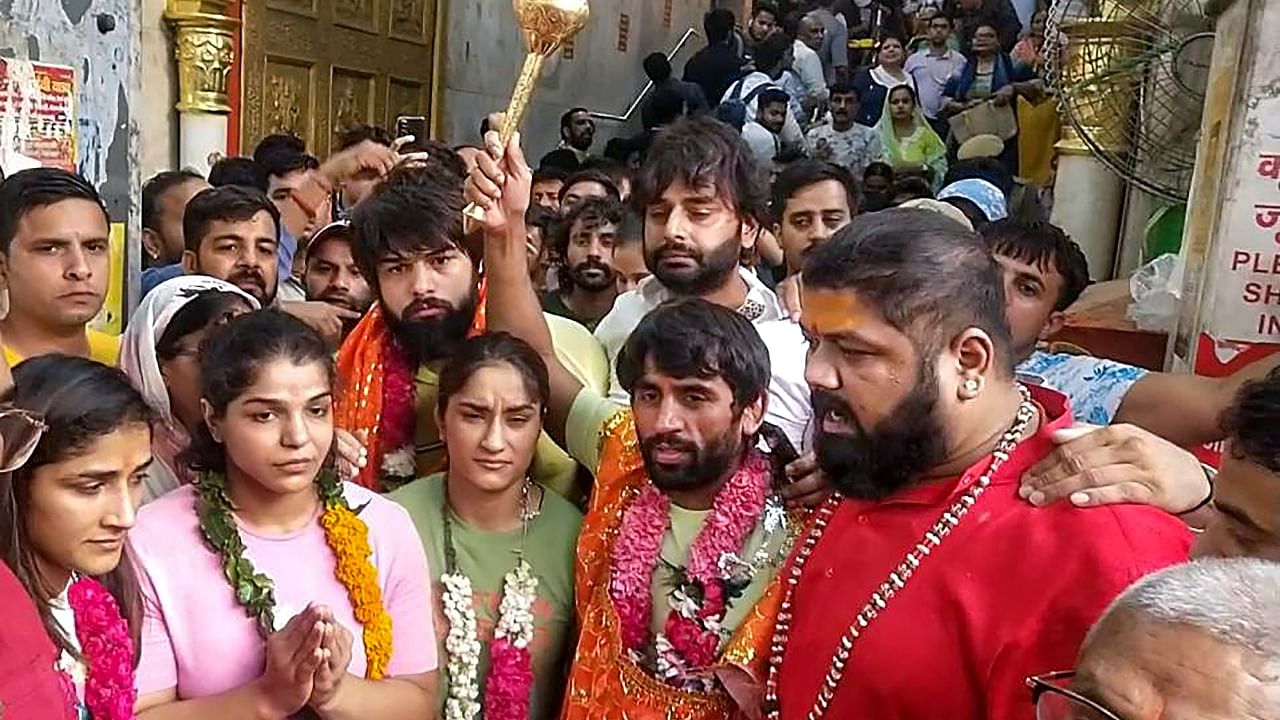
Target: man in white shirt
<point>761,133</point>
<point>806,64</point>
<point>773,57</point>
<point>835,42</point>
<point>702,197</point>
<point>932,66</point>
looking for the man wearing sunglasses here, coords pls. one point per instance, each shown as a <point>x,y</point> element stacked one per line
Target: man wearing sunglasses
<point>1200,640</point>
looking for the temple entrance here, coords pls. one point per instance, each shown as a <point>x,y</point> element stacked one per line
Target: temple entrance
<point>317,67</point>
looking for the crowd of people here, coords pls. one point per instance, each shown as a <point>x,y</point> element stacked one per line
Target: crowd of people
<point>856,83</point>
<point>690,434</point>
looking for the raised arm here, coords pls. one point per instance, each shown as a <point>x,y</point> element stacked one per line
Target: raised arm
<point>1184,409</point>
<point>500,184</point>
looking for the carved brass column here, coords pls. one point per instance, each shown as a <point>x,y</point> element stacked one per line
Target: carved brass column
<point>1088,195</point>
<point>203,39</point>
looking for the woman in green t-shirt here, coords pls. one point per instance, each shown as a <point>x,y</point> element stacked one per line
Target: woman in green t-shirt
<point>501,548</point>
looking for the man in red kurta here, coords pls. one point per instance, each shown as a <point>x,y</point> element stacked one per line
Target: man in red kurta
<point>930,590</point>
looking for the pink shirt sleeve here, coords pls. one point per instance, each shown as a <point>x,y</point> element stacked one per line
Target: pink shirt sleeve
<point>407,596</point>
<point>158,666</point>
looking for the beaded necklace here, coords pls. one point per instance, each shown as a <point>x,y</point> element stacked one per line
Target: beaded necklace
<point>891,586</point>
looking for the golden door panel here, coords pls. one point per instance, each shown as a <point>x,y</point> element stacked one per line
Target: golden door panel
<point>357,14</point>
<point>410,20</point>
<point>290,104</point>
<point>352,99</point>
<point>317,67</point>
<point>404,97</point>
<point>307,8</point>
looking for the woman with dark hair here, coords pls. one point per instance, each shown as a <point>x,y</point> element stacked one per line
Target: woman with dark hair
<point>873,84</point>
<point>989,76</point>
<point>910,144</point>
<point>64,516</point>
<point>160,352</point>
<point>500,546</point>
<point>266,594</point>
<point>877,186</point>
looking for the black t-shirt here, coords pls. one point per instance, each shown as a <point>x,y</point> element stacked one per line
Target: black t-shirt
<point>714,68</point>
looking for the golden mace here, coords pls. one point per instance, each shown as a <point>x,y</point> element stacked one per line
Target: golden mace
<point>546,25</point>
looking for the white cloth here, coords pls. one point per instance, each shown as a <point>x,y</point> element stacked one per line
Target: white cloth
<point>808,67</point>
<point>763,143</point>
<point>791,132</point>
<point>65,618</point>
<point>787,387</point>
<point>789,405</point>
<point>884,79</point>
<point>138,359</point>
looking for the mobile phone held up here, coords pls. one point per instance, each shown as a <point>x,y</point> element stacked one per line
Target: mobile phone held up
<point>415,125</point>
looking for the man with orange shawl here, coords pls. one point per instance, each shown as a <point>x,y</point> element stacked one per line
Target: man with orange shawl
<point>680,549</point>
<point>410,245</point>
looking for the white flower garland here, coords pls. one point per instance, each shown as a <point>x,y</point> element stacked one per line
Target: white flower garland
<point>400,463</point>
<point>515,612</point>
<point>515,621</point>
<point>463,647</point>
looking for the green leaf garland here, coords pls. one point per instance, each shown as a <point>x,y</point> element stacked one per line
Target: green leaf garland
<point>254,591</point>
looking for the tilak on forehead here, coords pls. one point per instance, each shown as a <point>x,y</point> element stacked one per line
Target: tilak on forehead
<point>829,311</point>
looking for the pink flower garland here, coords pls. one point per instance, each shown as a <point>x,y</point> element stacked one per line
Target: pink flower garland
<point>398,405</point>
<point>634,555</point>
<point>107,648</point>
<point>509,683</point>
<point>734,514</point>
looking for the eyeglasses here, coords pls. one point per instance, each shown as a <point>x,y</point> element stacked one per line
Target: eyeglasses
<point>20,433</point>
<point>1054,701</point>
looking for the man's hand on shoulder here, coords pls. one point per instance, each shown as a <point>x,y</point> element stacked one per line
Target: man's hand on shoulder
<point>1116,464</point>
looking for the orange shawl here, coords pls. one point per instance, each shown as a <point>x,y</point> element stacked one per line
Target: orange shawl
<point>603,681</point>
<point>361,365</point>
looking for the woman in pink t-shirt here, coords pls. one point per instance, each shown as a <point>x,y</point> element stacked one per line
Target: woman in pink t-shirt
<point>264,593</point>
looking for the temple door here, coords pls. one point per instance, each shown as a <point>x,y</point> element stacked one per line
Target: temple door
<point>317,67</point>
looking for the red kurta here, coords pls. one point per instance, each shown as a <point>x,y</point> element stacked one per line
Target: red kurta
<point>29,686</point>
<point>1010,593</point>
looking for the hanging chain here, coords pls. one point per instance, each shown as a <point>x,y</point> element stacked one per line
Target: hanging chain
<point>894,583</point>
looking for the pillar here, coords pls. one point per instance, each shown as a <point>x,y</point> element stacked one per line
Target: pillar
<point>204,41</point>
<point>1087,200</point>
<point>1088,196</point>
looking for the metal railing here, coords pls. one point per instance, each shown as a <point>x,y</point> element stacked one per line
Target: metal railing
<point>626,116</point>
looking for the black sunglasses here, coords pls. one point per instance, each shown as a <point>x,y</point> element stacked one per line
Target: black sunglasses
<point>1054,701</point>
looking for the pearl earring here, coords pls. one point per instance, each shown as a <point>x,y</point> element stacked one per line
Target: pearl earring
<point>972,385</point>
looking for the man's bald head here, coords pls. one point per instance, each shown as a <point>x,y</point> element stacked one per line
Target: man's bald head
<point>1199,640</point>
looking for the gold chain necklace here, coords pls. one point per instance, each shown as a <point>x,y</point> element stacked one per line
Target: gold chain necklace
<point>891,586</point>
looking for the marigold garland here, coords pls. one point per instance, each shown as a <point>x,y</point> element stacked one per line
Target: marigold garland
<point>346,534</point>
